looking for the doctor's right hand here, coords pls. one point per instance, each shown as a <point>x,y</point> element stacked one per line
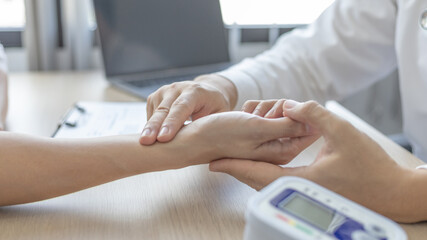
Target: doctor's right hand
<point>350,163</point>
<point>170,106</point>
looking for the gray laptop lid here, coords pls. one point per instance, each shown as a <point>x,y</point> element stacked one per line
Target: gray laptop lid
<point>149,36</point>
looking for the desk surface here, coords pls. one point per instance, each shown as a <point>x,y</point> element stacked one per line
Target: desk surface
<point>190,203</point>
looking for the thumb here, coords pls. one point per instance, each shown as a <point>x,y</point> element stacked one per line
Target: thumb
<point>255,174</point>
<point>313,114</point>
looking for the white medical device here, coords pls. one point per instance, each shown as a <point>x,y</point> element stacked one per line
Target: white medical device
<point>295,208</point>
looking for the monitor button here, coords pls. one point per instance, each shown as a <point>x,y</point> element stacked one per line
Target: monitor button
<point>376,231</point>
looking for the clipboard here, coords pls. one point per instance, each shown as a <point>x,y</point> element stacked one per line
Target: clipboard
<point>97,119</point>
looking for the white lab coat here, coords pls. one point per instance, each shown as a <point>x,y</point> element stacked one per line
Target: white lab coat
<point>353,44</point>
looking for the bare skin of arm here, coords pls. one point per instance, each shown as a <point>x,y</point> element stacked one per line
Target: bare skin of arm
<point>35,168</point>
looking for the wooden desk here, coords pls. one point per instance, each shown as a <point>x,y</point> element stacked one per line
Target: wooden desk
<point>190,203</point>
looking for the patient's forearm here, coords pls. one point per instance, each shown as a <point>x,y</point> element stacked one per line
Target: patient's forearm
<point>34,168</point>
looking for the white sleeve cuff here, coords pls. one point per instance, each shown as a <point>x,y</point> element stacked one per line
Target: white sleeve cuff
<point>247,87</point>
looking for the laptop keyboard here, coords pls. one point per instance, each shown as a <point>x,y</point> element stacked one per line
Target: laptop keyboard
<point>159,81</point>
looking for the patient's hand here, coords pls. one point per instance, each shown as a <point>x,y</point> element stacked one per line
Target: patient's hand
<point>244,135</point>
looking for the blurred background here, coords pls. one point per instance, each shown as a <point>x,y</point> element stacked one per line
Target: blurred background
<point>61,35</point>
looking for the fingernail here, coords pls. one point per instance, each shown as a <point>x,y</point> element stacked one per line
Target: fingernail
<point>164,131</point>
<point>289,104</point>
<point>146,132</point>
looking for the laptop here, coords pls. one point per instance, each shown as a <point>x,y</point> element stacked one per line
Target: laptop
<point>150,43</point>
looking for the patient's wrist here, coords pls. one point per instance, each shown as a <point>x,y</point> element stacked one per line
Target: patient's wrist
<point>189,147</point>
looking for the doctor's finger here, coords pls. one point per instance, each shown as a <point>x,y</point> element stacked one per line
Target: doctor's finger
<point>271,129</point>
<point>255,174</point>
<point>155,98</point>
<point>315,115</point>
<point>152,127</point>
<point>263,107</point>
<point>276,111</point>
<point>151,105</point>
<point>180,111</point>
<point>282,151</point>
<point>249,106</point>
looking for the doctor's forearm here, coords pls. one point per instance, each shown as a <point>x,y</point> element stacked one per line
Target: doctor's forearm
<point>34,169</point>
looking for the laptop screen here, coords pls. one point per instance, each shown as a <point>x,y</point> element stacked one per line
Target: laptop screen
<point>153,35</point>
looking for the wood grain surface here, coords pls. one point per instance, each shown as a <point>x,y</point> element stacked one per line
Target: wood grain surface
<point>190,203</point>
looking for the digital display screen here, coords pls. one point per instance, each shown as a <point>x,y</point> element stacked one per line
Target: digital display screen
<point>308,210</point>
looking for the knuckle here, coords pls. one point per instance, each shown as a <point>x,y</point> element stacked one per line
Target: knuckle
<point>162,109</point>
<point>162,89</point>
<point>182,103</point>
<point>196,88</point>
<point>312,104</point>
<point>174,85</point>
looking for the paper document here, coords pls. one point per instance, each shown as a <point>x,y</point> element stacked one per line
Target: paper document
<point>96,119</point>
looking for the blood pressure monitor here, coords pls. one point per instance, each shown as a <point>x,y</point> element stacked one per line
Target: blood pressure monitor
<point>295,208</point>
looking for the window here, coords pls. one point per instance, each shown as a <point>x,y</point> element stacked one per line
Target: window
<point>12,14</point>
<point>12,22</point>
<point>268,12</point>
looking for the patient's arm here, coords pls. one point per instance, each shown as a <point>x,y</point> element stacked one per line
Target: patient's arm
<point>35,168</point>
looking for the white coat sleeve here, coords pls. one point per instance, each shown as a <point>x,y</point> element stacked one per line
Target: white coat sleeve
<point>350,46</point>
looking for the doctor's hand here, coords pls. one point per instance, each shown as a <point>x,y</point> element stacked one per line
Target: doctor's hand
<point>170,106</point>
<point>350,163</point>
<point>243,135</point>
